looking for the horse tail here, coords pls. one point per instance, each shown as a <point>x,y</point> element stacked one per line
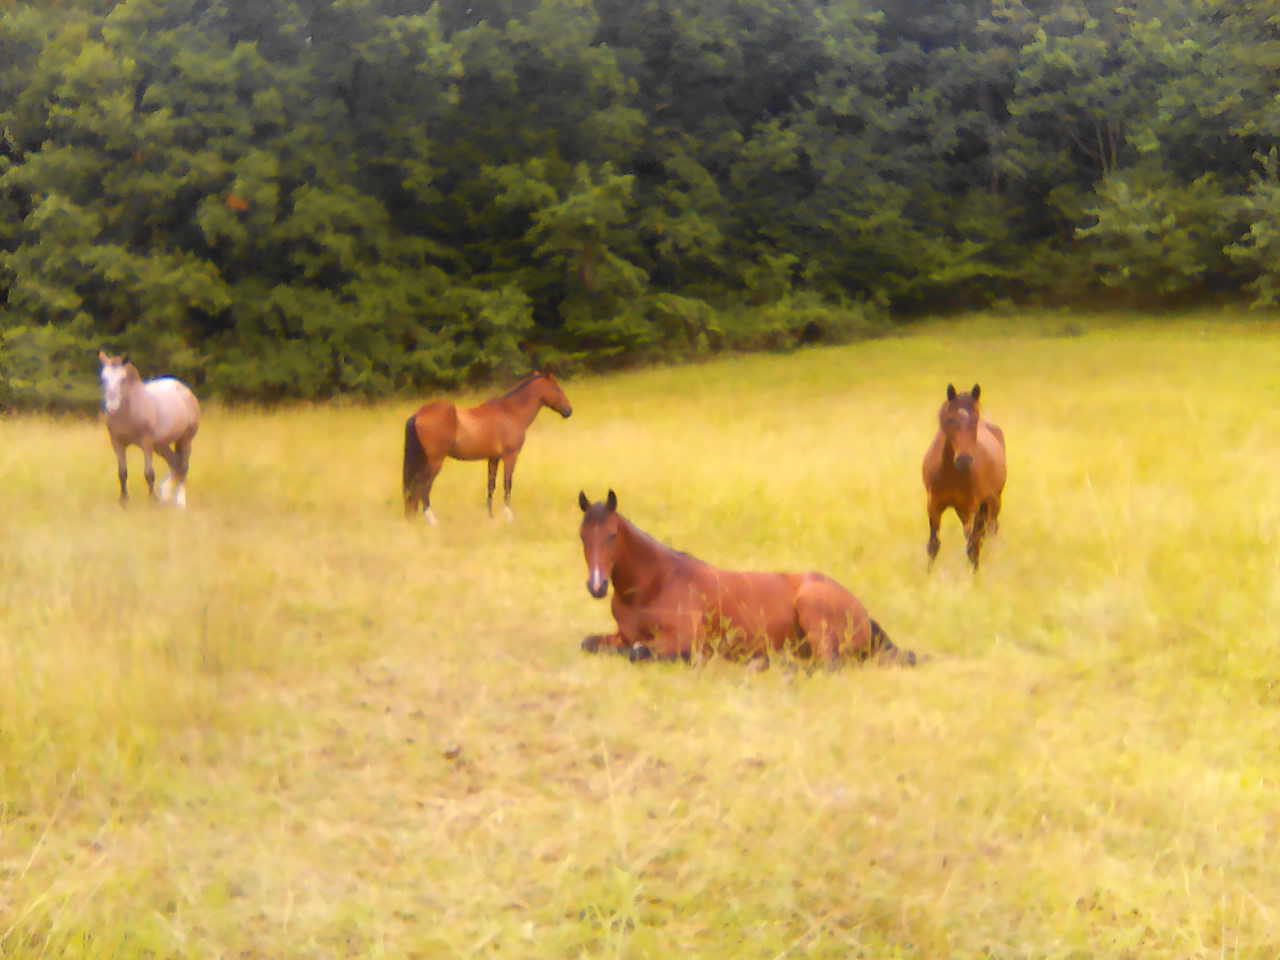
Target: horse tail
<point>881,644</point>
<point>415,460</point>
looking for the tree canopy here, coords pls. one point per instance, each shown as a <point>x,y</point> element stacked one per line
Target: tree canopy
<point>304,198</point>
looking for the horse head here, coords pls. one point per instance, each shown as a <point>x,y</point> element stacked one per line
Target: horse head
<point>958,421</point>
<point>117,374</point>
<point>551,394</point>
<point>600,526</point>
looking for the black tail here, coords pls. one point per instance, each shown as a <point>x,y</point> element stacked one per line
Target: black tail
<point>415,459</point>
<point>880,643</point>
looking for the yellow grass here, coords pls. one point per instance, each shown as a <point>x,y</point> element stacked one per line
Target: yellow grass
<point>287,723</point>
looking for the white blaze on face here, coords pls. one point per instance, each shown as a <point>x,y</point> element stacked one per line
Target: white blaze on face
<point>112,386</point>
<point>597,580</point>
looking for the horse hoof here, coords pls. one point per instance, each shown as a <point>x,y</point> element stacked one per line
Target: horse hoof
<point>507,515</point>
<point>430,516</point>
<point>591,644</point>
<point>639,652</point>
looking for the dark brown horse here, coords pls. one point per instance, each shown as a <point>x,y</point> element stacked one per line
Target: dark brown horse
<point>492,431</point>
<point>964,469</point>
<point>667,604</point>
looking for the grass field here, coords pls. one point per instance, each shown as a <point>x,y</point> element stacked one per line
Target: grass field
<point>287,723</point>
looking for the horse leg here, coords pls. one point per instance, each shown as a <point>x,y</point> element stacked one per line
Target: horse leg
<point>180,465</point>
<point>122,471</point>
<point>493,480</point>
<point>148,470</point>
<point>666,640</point>
<point>640,651</point>
<point>993,514</point>
<point>824,642</point>
<point>607,641</point>
<point>821,622</point>
<point>429,474</point>
<point>935,519</point>
<point>975,532</point>
<point>508,471</point>
<point>172,461</point>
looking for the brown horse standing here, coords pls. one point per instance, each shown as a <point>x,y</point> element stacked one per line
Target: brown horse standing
<point>492,431</point>
<point>668,604</point>
<point>964,468</point>
<point>154,415</point>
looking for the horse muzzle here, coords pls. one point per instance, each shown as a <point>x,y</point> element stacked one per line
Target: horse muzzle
<point>597,585</point>
<point>964,462</point>
<point>567,412</point>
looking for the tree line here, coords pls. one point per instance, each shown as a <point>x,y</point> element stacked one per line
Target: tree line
<point>302,198</point>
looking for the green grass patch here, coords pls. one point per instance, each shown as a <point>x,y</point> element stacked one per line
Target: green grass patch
<point>288,723</point>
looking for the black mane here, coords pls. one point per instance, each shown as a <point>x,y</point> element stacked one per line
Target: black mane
<point>520,386</point>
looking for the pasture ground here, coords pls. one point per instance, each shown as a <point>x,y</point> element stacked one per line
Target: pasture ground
<point>287,723</point>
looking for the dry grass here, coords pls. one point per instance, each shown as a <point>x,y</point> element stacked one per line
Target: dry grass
<point>288,724</point>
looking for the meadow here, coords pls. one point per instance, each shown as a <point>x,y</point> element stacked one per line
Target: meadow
<point>288,723</point>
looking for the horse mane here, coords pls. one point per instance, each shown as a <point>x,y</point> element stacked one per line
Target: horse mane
<point>654,541</point>
<point>528,379</point>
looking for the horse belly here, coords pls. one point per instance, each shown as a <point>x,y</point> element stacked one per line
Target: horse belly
<point>995,469</point>
<point>752,612</point>
<point>475,438</point>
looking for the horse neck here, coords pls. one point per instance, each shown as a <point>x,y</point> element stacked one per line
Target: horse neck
<point>639,560</point>
<point>136,405</point>
<point>523,403</point>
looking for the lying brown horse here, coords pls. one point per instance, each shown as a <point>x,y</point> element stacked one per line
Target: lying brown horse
<point>668,604</point>
<point>964,469</point>
<point>492,431</point>
<point>161,415</point>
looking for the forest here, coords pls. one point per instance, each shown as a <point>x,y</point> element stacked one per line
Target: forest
<point>306,199</point>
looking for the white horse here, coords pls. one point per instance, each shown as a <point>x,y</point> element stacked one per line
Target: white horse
<point>154,416</point>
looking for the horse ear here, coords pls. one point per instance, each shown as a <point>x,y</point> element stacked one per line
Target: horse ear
<point>131,372</point>
<point>976,391</point>
<point>583,502</point>
<point>612,501</point>
<point>951,392</point>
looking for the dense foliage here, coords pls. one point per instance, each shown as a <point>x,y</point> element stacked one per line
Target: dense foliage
<point>299,198</point>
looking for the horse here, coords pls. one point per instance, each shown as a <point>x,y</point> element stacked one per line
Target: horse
<point>161,415</point>
<point>667,604</point>
<point>492,431</point>
<point>964,469</point>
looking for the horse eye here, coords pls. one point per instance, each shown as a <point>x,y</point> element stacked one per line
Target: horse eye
<point>612,537</point>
